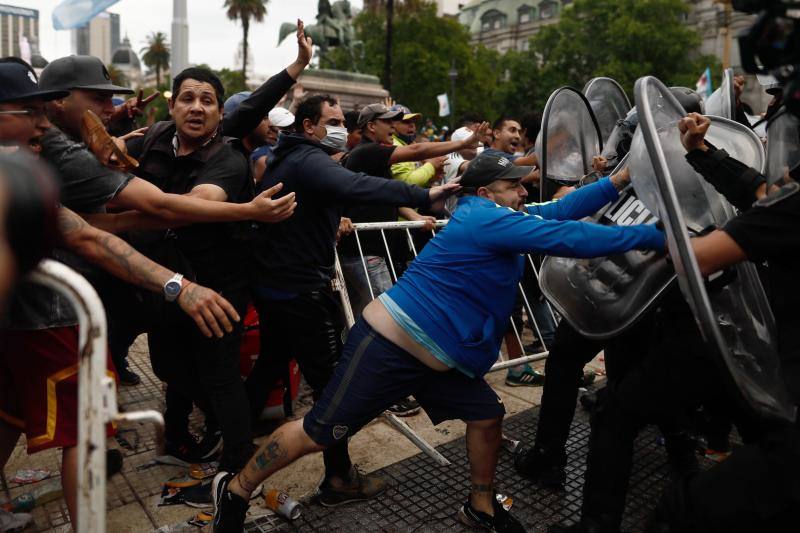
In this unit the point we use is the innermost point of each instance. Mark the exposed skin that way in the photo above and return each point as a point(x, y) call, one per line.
point(66, 112)
point(507, 138)
point(405, 127)
point(197, 114)
point(23, 130)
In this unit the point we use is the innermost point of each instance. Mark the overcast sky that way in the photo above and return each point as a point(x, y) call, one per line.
point(212, 37)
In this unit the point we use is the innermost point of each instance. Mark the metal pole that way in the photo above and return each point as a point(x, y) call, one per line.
point(387, 64)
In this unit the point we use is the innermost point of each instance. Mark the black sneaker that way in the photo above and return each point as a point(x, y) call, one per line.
point(199, 496)
point(128, 377)
point(501, 522)
point(361, 487)
point(406, 407)
point(538, 466)
point(230, 510)
point(180, 453)
point(209, 446)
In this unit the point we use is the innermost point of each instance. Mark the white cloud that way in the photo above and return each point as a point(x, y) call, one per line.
point(212, 37)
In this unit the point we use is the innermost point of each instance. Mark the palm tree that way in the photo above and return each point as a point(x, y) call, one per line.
point(245, 10)
point(156, 54)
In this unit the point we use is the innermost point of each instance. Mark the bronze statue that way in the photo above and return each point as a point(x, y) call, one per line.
point(334, 28)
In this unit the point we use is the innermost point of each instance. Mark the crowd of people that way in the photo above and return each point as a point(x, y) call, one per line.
point(237, 201)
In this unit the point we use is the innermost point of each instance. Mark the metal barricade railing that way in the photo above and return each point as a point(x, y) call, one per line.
point(97, 395)
point(546, 311)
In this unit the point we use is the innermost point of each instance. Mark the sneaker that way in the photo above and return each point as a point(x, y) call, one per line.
point(230, 510)
point(209, 446)
point(362, 487)
point(128, 377)
point(406, 407)
point(501, 522)
point(180, 453)
point(538, 466)
point(198, 496)
point(528, 377)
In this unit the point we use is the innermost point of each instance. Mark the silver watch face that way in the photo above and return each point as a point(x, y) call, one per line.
point(172, 289)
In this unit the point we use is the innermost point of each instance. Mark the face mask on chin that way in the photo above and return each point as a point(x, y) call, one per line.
point(408, 139)
point(335, 138)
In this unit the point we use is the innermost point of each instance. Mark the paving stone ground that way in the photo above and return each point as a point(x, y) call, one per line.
point(423, 496)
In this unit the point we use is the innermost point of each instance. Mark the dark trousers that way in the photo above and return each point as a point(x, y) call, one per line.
point(309, 329)
point(672, 379)
point(207, 372)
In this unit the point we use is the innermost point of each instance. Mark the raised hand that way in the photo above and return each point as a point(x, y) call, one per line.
point(480, 133)
point(265, 209)
point(211, 312)
point(693, 128)
point(599, 163)
point(133, 107)
point(440, 193)
point(305, 45)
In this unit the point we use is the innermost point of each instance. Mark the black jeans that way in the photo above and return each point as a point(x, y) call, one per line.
point(207, 372)
point(309, 329)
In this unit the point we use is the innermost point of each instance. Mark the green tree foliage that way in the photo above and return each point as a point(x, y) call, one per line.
point(424, 48)
point(246, 10)
point(156, 54)
point(117, 76)
point(621, 39)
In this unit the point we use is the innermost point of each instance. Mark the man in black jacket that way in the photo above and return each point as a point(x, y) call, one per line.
point(294, 263)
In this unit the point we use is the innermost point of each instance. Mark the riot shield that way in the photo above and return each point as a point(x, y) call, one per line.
point(730, 308)
point(609, 103)
point(570, 138)
point(783, 146)
point(722, 102)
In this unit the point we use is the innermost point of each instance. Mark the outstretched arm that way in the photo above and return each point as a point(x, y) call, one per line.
point(420, 151)
point(211, 312)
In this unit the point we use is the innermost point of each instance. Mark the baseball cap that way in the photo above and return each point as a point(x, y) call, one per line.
point(487, 168)
point(461, 134)
point(79, 72)
point(376, 112)
point(233, 101)
point(280, 117)
point(407, 114)
point(19, 83)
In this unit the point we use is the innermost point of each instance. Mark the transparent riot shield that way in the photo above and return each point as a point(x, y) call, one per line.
point(730, 307)
point(722, 102)
point(609, 103)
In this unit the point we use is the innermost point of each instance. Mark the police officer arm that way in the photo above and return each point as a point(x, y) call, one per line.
point(716, 251)
point(211, 312)
point(420, 151)
point(253, 109)
point(740, 184)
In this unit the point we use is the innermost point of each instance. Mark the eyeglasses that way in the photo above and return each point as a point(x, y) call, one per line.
point(31, 112)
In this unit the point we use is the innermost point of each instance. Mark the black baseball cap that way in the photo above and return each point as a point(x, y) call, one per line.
point(377, 112)
point(19, 83)
point(79, 72)
point(487, 168)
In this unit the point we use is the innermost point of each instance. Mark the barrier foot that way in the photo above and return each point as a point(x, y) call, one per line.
point(418, 441)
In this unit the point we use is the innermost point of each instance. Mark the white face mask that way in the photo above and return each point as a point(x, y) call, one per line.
point(335, 137)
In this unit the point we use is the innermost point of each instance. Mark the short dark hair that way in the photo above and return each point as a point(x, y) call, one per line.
point(199, 74)
point(14, 59)
point(311, 108)
point(351, 121)
point(531, 123)
point(470, 118)
point(500, 122)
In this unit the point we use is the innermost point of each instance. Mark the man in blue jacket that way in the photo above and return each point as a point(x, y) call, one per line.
point(439, 329)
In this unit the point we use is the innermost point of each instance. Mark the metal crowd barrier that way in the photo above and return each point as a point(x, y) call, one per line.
point(97, 395)
point(340, 286)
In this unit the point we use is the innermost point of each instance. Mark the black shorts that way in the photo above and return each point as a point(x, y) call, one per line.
point(374, 373)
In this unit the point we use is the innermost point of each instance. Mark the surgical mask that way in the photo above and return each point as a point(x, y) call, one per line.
point(335, 137)
point(408, 139)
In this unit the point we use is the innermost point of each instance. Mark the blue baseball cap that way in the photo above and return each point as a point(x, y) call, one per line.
point(234, 100)
point(19, 83)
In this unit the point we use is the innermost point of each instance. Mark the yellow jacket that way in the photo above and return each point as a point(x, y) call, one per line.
point(408, 171)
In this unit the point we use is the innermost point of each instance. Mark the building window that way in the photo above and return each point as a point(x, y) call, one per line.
point(526, 14)
point(493, 20)
point(548, 10)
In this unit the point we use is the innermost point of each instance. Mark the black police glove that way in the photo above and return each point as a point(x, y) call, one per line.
point(731, 178)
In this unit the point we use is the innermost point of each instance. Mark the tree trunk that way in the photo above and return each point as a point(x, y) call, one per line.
point(158, 76)
point(387, 65)
point(245, 30)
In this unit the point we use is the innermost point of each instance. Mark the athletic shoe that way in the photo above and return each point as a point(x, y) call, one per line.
point(199, 496)
point(501, 522)
point(360, 488)
point(528, 377)
point(180, 453)
point(230, 510)
point(209, 446)
point(128, 377)
point(406, 407)
point(538, 466)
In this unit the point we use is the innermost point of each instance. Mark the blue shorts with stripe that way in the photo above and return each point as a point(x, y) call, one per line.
point(374, 373)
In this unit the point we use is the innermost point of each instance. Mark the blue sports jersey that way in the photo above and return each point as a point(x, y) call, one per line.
point(461, 288)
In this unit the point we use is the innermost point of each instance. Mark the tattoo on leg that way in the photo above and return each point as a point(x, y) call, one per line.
point(272, 452)
point(478, 487)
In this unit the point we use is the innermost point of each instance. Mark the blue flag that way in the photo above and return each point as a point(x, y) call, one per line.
point(75, 13)
point(704, 85)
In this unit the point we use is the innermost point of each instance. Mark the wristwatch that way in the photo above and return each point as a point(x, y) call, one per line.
point(172, 288)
